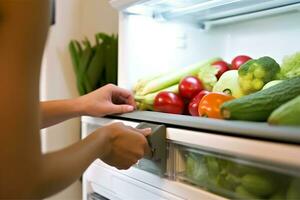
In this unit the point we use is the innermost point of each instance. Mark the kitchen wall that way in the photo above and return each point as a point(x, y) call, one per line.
point(74, 20)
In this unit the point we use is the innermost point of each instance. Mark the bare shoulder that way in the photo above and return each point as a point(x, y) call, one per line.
point(23, 31)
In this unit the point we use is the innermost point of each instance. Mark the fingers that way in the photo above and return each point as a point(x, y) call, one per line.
point(121, 109)
point(145, 131)
point(123, 94)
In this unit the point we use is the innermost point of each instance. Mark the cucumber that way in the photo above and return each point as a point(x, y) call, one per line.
point(287, 114)
point(258, 106)
point(259, 185)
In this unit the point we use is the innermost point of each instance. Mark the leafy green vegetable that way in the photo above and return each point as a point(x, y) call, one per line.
point(235, 180)
point(290, 66)
point(242, 193)
point(254, 74)
point(207, 74)
point(196, 169)
point(294, 189)
point(260, 185)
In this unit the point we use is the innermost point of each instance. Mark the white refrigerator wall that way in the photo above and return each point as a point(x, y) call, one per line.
point(75, 19)
point(148, 46)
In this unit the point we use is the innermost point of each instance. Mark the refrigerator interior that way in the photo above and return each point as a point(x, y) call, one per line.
point(159, 36)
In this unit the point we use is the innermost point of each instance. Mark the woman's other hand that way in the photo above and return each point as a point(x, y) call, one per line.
point(106, 100)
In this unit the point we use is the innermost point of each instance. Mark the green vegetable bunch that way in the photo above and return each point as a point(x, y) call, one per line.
point(95, 65)
point(254, 74)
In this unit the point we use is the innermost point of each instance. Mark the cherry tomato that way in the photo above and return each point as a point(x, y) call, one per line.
point(222, 67)
point(194, 103)
point(239, 60)
point(210, 104)
point(189, 87)
point(168, 102)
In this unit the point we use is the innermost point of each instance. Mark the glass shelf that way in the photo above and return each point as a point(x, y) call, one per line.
point(206, 10)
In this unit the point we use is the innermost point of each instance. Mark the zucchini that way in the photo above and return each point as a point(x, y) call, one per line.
point(258, 106)
point(287, 114)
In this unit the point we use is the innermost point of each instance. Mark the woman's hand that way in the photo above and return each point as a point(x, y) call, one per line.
point(123, 145)
point(106, 100)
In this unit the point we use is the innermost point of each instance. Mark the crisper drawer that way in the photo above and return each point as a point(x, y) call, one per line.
point(213, 165)
point(235, 177)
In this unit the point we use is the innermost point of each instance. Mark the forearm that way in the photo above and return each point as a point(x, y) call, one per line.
point(50, 173)
point(53, 112)
point(62, 168)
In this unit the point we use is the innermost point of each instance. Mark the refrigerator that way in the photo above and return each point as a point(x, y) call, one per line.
point(192, 157)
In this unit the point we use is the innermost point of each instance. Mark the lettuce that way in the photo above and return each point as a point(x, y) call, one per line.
point(207, 75)
point(290, 67)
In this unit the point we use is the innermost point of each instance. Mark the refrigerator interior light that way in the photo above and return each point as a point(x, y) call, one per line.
point(204, 10)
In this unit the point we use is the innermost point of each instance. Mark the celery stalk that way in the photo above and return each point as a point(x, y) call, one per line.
point(142, 82)
point(149, 98)
point(174, 77)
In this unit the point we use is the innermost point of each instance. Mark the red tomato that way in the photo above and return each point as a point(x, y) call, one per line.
point(222, 67)
point(210, 104)
point(238, 61)
point(189, 87)
point(194, 103)
point(168, 102)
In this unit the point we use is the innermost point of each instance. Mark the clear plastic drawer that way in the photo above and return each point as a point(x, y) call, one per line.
point(235, 178)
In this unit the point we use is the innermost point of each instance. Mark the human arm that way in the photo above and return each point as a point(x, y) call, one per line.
point(26, 173)
point(106, 100)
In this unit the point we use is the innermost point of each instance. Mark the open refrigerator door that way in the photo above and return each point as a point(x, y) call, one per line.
point(208, 158)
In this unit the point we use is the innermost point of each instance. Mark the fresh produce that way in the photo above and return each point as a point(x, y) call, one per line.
point(293, 191)
point(141, 82)
point(194, 103)
point(279, 195)
point(238, 61)
point(189, 87)
point(259, 106)
point(271, 83)
point(207, 75)
point(94, 65)
point(168, 102)
point(259, 185)
point(229, 84)
point(242, 193)
point(196, 169)
point(210, 104)
point(254, 74)
point(235, 180)
point(173, 77)
point(146, 102)
point(287, 114)
point(222, 67)
point(290, 67)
